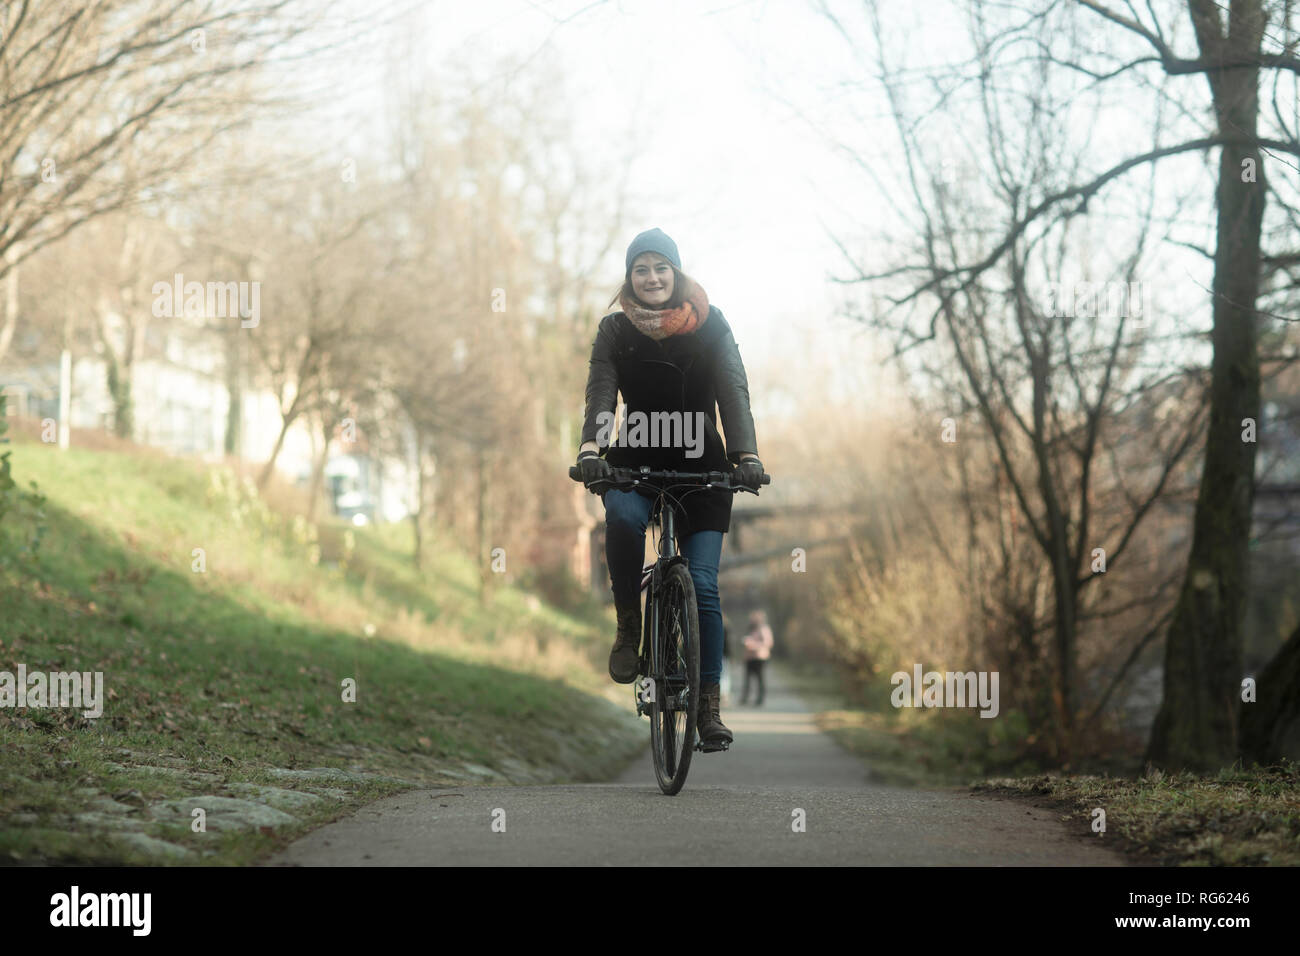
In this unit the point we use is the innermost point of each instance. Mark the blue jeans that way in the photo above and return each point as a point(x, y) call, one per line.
point(626, 516)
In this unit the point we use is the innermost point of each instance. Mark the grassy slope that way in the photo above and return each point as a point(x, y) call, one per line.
point(238, 669)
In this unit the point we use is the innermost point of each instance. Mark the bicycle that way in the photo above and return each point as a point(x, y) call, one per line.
point(669, 663)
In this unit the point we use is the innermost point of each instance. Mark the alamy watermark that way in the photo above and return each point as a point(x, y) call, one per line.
point(1096, 300)
point(75, 908)
point(54, 689)
point(213, 299)
point(655, 430)
point(946, 689)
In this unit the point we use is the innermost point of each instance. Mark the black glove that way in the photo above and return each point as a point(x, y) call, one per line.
point(593, 468)
point(748, 474)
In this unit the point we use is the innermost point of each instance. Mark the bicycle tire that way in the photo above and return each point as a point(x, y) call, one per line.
point(675, 669)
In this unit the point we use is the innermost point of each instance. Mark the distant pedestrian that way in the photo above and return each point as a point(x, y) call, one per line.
point(758, 650)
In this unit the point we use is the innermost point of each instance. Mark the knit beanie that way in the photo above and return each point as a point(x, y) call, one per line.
point(653, 240)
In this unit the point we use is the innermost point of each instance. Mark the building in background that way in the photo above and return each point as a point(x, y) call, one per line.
point(181, 402)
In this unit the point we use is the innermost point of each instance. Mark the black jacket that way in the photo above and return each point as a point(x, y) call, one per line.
point(697, 372)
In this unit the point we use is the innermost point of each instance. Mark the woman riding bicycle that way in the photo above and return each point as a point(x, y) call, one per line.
point(674, 358)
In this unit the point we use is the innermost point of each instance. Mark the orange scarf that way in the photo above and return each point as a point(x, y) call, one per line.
point(661, 323)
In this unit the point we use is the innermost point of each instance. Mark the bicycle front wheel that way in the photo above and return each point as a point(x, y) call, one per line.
point(675, 669)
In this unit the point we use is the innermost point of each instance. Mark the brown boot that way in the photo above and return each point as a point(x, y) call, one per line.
point(624, 658)
point(714, 734)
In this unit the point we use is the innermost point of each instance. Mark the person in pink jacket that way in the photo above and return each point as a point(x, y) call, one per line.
point(758, 649)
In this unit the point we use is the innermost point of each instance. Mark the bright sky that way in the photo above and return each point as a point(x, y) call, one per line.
point(723, 167)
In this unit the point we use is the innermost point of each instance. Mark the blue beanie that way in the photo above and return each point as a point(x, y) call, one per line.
point(653, 240)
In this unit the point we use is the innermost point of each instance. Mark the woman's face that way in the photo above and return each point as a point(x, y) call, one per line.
point(652, 279)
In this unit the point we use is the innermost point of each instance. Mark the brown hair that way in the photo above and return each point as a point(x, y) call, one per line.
point(674, 301)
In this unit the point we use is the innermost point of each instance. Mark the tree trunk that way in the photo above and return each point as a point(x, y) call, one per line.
point(1270, 726)
point(1066, 613)
point(235, 389)
point(1196, 727)
point(318, 467)
point(289, 417)
point(119, 374)
point(10, 320)
point(481, 524)
point(119, 391)
point(264, 477)
point(1065, 572)
point(417, 513)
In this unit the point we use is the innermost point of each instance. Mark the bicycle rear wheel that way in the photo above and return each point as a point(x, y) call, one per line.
point(675, 668)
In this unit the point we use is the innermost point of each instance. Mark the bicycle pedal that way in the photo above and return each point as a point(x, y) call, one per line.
point(712, 746)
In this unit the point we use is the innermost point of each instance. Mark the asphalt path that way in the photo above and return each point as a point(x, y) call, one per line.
point(784, 794)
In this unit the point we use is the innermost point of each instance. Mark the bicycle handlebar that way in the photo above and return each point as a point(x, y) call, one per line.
point(631, 477)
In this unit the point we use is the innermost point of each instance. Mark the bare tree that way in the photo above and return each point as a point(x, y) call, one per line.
point(322, 306)
point(100, 102)
point(1055, 389)
point(504, 220)
point(1197, 723)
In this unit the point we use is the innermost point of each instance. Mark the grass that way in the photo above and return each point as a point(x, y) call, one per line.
point(1236, 818)
point(230, 660)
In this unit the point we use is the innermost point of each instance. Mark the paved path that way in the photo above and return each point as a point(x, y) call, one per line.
point(737, 807)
